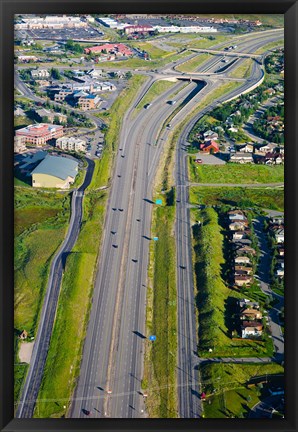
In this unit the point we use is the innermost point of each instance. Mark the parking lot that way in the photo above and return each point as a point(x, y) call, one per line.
point(61, 34)
point(208, 159)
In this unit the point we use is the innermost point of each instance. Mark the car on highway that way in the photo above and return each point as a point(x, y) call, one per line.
point(172, 102)
point(138, 220)
point(122, 155)
point(115, 246)
point(169, 125)
point(148, 105)
point(120, 209)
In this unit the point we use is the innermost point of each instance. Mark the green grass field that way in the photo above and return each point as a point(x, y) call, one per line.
point(41, 220)
point(232, 397)
point(244, 197)
point(235, 173)
point(215, 300)
point(270, 46)
point(153, 51)
point(193, 64)
point(243, 70)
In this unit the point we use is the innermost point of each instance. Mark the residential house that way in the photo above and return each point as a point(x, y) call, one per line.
point(245, 303)
point(209, 147)
point(243, 269)
point(265, 148)
point(280, 235)
point(242, 260)
point(238, 225)
point(210, 135)
point(236, 215)
point(243, 250)
point(248, 314)
point(247, 148)
point(277, 220)
point(251, 329)
point(241, 157)
point(233, 129)
point(241, 280)
point(280, 250)
point(271, 158)
point(19, 112)
point(241, 242)
point(238, 235)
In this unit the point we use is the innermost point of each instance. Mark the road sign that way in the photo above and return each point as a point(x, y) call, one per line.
point(152, 338)
point(155, 238)
point(158, 201)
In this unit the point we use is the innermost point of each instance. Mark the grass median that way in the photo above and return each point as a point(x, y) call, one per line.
point(243, 70)
point(157, 88)
point(193, 64)
point(161, 313)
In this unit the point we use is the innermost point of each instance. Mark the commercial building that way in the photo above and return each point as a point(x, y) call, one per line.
point(55, 172)
point(117, 49)
point(40, 73)
point(51, 21)
point(39, 134)
point(188, 29)
point(71, 143)
point(19, 144)
point(42, 112)
point(138, 29)
point(27, 58)
point(111, 23)
point(86, 101)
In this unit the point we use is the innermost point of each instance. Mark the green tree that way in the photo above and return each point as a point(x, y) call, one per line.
point(55, 74)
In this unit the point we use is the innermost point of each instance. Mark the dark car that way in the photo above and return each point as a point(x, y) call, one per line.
point(120, 209)
point(115, 246)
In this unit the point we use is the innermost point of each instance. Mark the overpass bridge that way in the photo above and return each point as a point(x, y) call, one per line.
point(228, 53)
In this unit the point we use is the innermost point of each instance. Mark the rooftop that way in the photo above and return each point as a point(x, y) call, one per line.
point(57, 166)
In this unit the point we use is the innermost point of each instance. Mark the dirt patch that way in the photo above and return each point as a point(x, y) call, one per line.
point(25, 351)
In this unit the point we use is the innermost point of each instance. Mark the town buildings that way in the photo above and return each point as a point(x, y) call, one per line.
point(71, 143)
point(119, 49)
point(39, 134)
point(51, 115)
point(51, 21)
point(55, 172)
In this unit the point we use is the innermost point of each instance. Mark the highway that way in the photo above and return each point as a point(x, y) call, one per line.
point(26, 404)
point(112, 363)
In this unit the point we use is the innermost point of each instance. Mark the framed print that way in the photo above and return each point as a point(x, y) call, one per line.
point(148, 215)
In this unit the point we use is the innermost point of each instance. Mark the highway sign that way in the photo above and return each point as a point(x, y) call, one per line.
point(155, 238)
point(158, 201)
point(152, 338)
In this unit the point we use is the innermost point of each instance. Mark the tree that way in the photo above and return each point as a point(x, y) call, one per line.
point(55, 74)
point(56, 120)
point(128, 75)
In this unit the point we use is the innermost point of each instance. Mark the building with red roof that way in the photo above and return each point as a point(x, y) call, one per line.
point(39, 134)
point(209, 147)
point(110, 48)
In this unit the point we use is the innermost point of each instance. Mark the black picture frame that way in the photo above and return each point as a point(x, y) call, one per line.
point(8, 9)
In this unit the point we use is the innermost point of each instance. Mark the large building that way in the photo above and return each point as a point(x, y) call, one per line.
point(51, 21)
point(86, 101)
point(188, 29)
point(40, 73)
point(71, 143)
point(138, 29)
point(117, 49)
point(55, 172)
point(42, 112)
point(39, 134)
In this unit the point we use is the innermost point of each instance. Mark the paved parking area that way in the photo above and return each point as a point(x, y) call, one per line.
point(209, 159)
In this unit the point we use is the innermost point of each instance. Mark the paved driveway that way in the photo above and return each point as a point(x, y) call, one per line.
point(209, 159)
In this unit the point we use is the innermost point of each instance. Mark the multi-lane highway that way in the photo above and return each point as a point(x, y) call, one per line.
point(112, 364)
